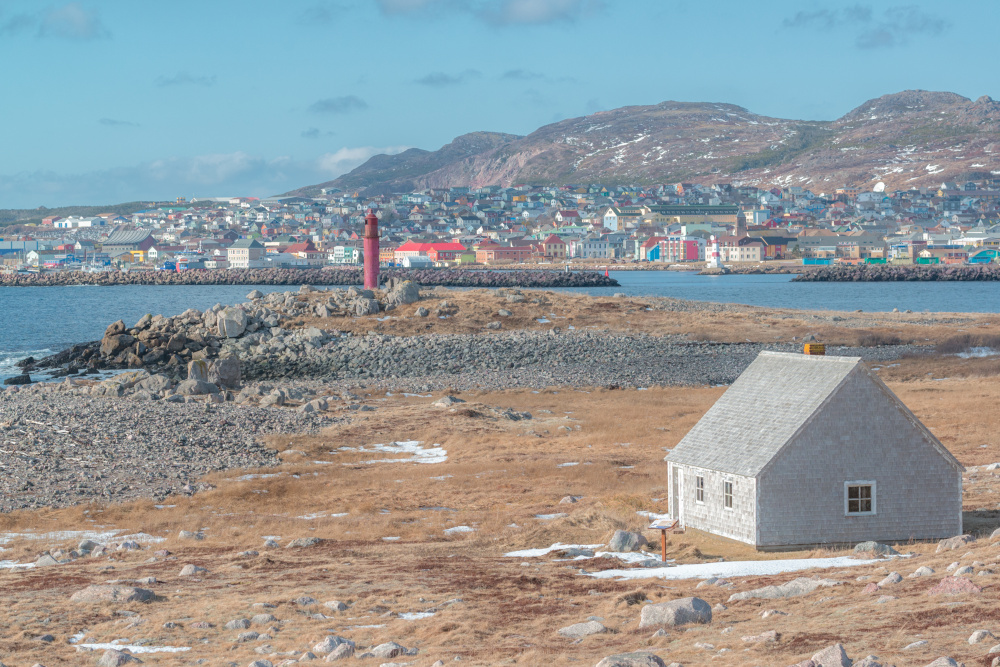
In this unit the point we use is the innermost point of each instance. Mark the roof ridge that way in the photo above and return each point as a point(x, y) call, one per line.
point(811, 357)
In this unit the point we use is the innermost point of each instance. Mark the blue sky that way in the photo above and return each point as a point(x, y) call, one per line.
point(116, 100)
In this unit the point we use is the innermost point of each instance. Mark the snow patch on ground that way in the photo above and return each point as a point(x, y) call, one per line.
point(978, 352)
point(749, 568)
point(558, 546)
point(417, 454)
point(78, 536)
point(459, 529)
point(415, 615)
point(136, 649)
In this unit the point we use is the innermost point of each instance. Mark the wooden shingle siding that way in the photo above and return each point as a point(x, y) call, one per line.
point(859, 435)
point(711, 516)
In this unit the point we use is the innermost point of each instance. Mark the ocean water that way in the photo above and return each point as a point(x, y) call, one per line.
point(37, 321)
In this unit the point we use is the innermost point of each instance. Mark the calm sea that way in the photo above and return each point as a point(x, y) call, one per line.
point(41, 320)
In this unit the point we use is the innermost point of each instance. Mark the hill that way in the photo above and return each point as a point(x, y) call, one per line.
point(907, 139)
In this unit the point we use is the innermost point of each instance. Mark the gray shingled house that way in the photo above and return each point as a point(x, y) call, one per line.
point(810, 450)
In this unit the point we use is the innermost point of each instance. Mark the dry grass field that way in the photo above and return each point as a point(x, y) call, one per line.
point(471, 310)
point(499, 475)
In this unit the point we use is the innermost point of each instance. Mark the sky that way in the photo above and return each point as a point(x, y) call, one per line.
point(107, 101)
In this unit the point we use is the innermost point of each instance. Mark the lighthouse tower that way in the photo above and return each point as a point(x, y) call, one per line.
point(714, 256)
point(371, 250)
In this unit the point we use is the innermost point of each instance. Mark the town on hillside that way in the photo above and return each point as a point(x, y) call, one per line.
point(659, 226)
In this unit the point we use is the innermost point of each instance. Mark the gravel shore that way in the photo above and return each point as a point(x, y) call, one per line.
point(61, 450)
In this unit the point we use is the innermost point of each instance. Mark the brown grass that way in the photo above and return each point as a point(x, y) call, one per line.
point(498, 476)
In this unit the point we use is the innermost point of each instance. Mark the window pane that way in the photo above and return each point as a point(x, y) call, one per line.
point(853, 506)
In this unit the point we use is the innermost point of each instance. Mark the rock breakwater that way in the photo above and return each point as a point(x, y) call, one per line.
point(887, 273)
point(320, 276)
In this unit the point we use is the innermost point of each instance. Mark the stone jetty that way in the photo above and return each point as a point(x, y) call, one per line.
point(897, 273)
point(319, 276)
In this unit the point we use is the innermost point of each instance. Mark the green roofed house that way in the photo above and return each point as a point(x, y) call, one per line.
point(813, 450)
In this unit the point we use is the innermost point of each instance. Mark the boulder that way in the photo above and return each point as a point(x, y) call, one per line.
point(335, 605)
point(391, 650)
point(944, 662)
point(834, 656)
point(330, 643)
point(155, 384)
point(953, 543)
point(198, 370)
point(303, 542)
point(342, 652)
point(980, 636)
point(922, 571)
point(18, 379)
point(448, 401)
point(954, 586)
point(676, 612)
point(111, 593)
point(231, 322)
point(791, 589)
point(875, 548)
point(112, 345)
point(255, 294)
point(763, 638)
point(192, 570)
point(115, 328)
point(176, 342)
point(238, 624)
point(115, 658)
point(196, 388)
point(626, 541)
point(423, 312)
point(891, 578)
point(636, 659)
point(364, 307)
point(225, 373)
point(403, 293)
point(578, 630)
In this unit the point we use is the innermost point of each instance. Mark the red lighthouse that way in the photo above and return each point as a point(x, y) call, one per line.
point(371, 250)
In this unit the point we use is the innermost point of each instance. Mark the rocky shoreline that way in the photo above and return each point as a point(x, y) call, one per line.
point(322, 276)
point(898, 273)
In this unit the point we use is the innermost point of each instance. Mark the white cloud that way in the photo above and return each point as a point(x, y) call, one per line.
point(214, 174)
point(498, 12)
point(72, 21)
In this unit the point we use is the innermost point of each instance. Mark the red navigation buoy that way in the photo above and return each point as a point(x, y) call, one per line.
point(606, 274)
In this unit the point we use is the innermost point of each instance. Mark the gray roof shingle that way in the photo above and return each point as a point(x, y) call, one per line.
point(761, 411)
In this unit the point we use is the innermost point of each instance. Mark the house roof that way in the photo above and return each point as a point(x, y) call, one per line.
point(766, 407)
point(127, 236)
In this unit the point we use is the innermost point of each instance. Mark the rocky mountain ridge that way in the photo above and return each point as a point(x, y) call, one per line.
point(909, 139)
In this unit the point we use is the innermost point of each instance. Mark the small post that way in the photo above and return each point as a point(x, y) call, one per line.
point(663, 525)
point(663, 544)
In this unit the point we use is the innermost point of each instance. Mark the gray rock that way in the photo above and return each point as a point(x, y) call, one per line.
point(255, 294)
point(189, 535)
point(303, 542)
point(625, 541)
point(944, 662)
point(335, 605)
point(342, 652)
point(225, 373)
point(952, 543)
point(330, 643)
point(503, 312)
point(197, 370)
point(111, 593)
point(115, 658)
point(922, 571)
point(403, 293)
point(423, 312)
point(875, 548)
point(676, 612)
point(250, 636)
point(834, 656)
point(448, 401)
point(363, 307)
point(238, 624)
point(46, 560)
point(890, 579)
point(980, 636)
point(86, 546)
point(578, 630)
point(636, 659)
point(156, 383)
point(263, 619)
point(791, 589)
point(231, 322)
point(192, 570)
point(196, 388)
point(391, 650)
point(868, 661)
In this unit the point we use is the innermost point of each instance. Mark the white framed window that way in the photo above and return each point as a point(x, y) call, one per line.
point(727, 495)
point(859, 498)
point(699, 489)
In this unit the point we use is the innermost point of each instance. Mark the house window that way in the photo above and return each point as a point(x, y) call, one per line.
point(699, 486)
point(727, 495)
point(859, 498)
